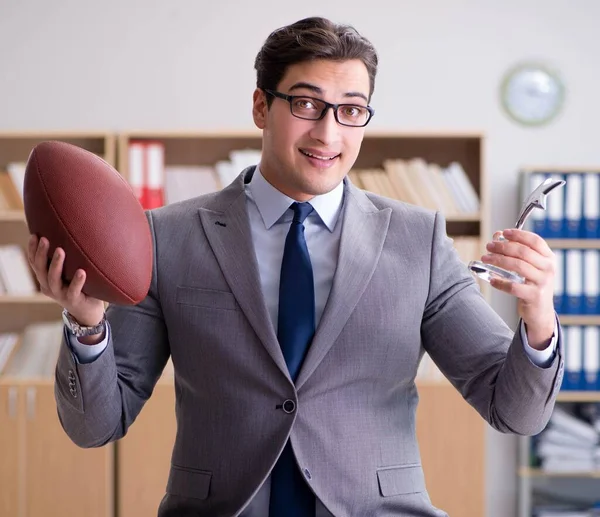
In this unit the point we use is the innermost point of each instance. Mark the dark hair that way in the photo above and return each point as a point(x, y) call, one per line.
point(310, 39)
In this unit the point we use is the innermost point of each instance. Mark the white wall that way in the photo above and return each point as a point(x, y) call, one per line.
point(185, 64)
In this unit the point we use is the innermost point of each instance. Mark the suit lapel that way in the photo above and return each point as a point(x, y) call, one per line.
point(364, 228)
point(227, 228)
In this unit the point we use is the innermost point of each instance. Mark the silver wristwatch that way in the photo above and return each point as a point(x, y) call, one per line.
point(78, 329)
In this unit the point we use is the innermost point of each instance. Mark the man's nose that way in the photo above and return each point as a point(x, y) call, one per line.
point(326, 130)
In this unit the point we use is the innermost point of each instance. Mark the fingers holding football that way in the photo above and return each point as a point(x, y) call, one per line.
point(73, 291)
point(38, 259)
point(55, 281)
point(50, 275)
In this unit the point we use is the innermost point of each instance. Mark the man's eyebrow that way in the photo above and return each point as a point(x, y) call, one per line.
point(315, 89)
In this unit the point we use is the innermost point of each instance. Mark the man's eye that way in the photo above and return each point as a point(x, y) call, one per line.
point(352, 111)
point(305, 104)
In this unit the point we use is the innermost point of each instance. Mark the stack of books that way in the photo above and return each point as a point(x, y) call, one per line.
point(415, 181)
point(569, 444)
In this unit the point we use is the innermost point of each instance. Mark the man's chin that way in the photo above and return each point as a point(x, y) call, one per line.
point(319, 188)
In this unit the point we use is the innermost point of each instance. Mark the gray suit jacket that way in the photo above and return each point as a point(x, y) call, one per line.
point(399, 290)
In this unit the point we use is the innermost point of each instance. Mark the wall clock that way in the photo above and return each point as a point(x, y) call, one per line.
point(532, 94)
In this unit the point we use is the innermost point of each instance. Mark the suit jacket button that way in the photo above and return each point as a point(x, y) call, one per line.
point(289, 406)
point(307, 474)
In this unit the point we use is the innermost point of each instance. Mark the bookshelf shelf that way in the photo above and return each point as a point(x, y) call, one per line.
point(540, 473)
point(579, 319)
point(464, 218)
point(562, 170)
point(13, 230)
point(19, 311)
point(16, 146)
point(37, 298)
point(579, 396)
point(12, 215)
point(574, 243)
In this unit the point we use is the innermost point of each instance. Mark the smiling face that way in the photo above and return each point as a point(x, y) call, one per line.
point(306, 158)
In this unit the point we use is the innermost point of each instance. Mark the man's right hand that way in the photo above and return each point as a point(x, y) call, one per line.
point(86, 310)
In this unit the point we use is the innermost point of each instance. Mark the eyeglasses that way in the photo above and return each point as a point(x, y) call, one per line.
point(309, 108)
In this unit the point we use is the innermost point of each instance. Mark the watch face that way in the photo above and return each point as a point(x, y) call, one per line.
point(532, 94)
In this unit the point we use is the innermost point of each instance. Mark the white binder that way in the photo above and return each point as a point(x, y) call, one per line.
point(591, 204)
point(574, 281)
point(591, 281)
point(591, 356)
point(573, 357)
point(573, 205)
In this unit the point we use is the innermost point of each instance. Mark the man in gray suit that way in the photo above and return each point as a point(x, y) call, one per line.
point(296, 308)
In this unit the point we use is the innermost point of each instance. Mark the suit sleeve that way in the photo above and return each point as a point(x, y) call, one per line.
point(480, 355)
point(98, 401)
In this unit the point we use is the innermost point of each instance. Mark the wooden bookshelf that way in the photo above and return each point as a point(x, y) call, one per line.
point(206, 148)
point(42, 471)
point(16, 312)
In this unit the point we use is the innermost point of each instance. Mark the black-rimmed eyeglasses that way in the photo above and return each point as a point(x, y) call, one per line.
point(310, 108)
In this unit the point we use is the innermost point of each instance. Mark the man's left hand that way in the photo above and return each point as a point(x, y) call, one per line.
point(528, 255)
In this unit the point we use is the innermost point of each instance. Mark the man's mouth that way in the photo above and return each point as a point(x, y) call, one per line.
point(322, 157)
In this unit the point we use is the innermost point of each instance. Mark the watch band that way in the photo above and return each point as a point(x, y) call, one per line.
point(80, 330)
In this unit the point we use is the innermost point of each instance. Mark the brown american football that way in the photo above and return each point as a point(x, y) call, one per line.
point(82, 204)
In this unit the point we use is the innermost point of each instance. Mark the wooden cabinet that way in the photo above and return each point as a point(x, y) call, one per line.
point(43, 473)
point(451, 437)
point(144, 455)
point(11, 499)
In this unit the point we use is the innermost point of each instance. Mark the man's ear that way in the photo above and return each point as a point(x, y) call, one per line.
point(259, 108)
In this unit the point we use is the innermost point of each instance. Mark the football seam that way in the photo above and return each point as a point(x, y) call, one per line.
point(37, 168)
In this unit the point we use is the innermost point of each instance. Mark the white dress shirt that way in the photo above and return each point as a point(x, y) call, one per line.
point(270, 217)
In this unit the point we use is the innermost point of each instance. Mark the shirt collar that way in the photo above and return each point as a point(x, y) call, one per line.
point(272, 203)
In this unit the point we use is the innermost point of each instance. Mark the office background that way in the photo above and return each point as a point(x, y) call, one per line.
point(188, 65)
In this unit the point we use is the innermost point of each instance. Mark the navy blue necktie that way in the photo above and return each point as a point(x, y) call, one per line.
point(290, 495)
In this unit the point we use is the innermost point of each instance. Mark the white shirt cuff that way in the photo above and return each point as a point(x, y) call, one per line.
point(86, 353)
point(542, 358)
